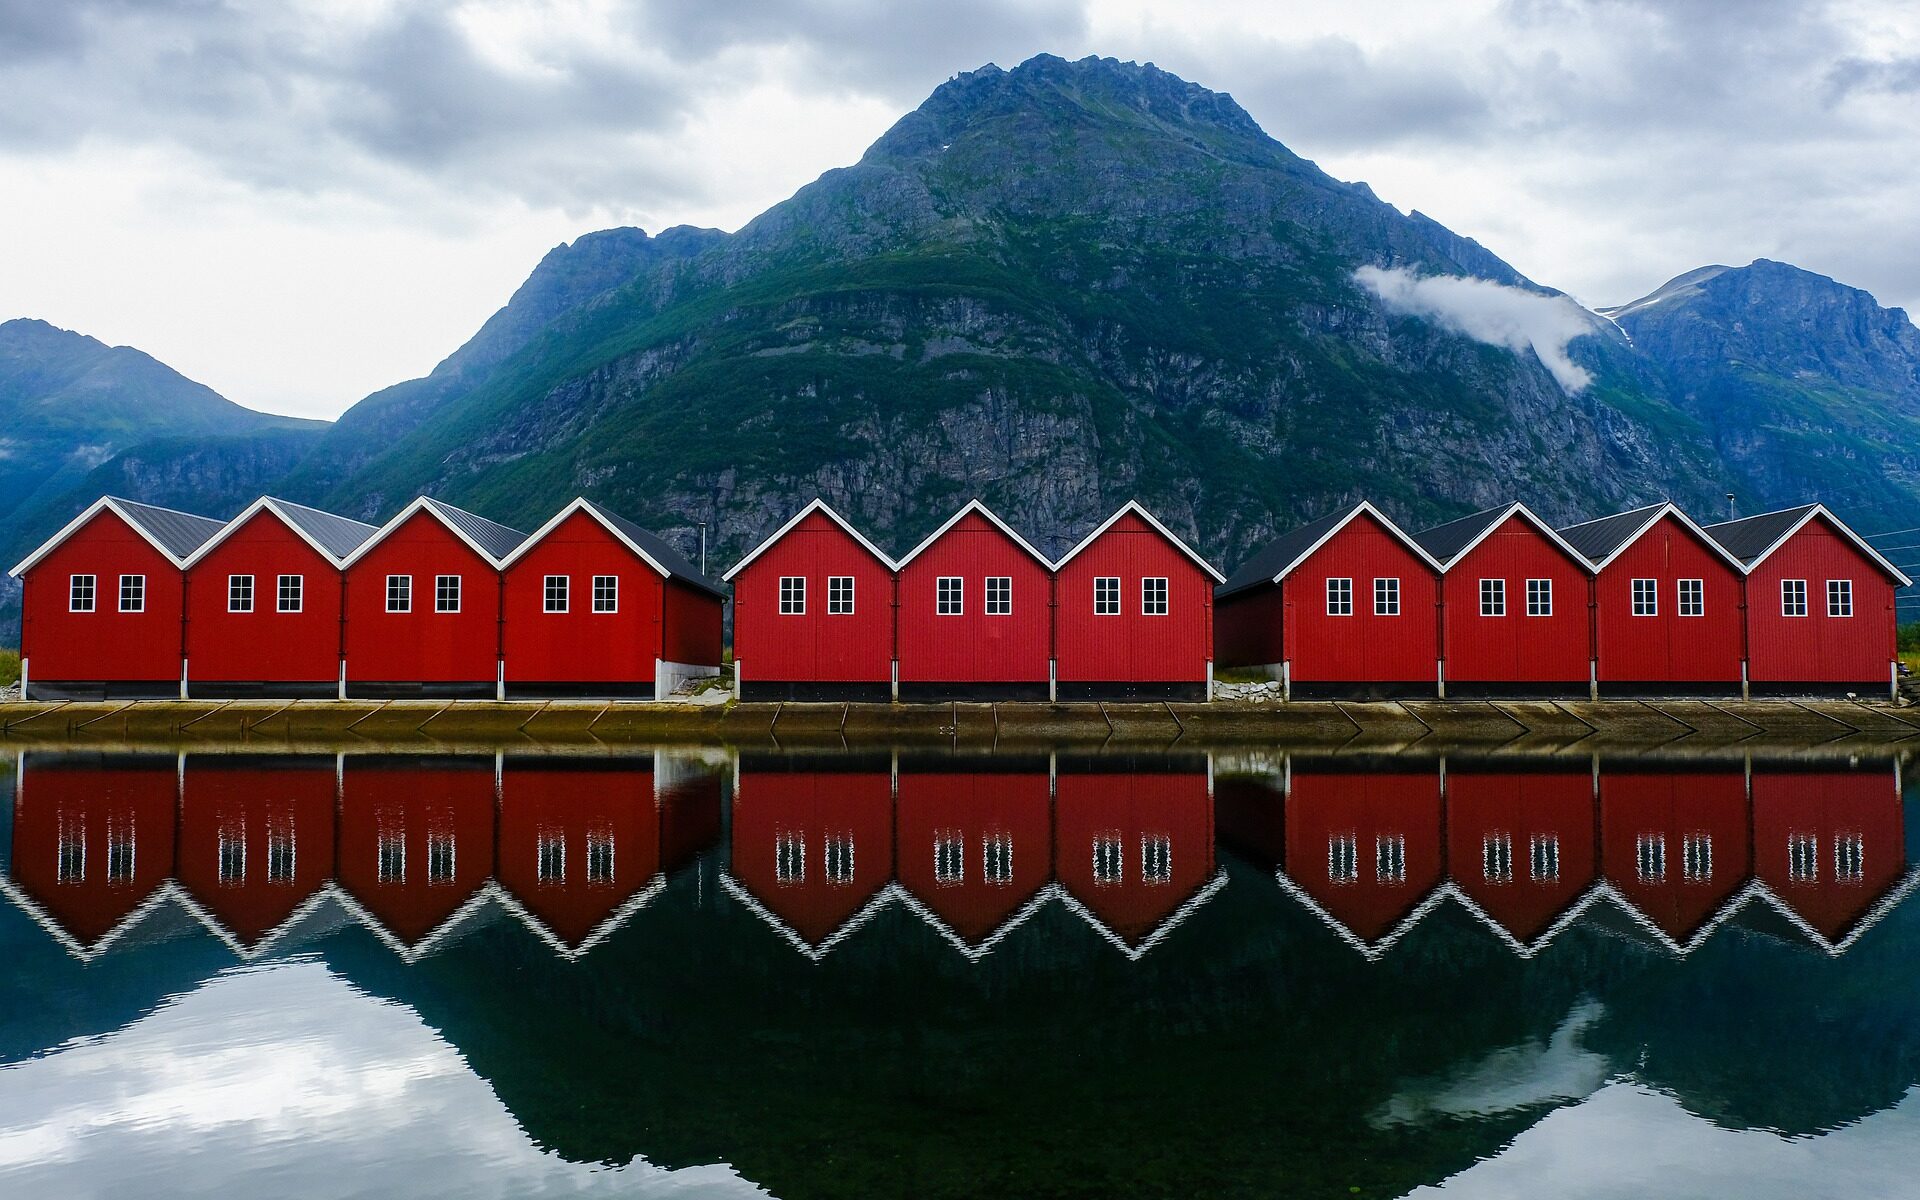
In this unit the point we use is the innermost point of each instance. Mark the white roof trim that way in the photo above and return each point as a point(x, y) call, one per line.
point(1365, 506)
point(1134, 506)
point(582, 504)
point(420, 504)
point(973, 506)
point(74, 526)
point(264, 503)
point(1664, 508)
point(1821, 510)
point(1520, 510)
point(819, 506)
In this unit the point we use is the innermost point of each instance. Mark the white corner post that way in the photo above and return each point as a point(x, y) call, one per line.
point(1746, 688)
point(893, 692)
point(739, 677)
point(1053, 679)
point(1893, 682)
point(26, 678)
point(343, 679)
point(183, 679)
point(1286, 679)
point(500, 679)
point(1440, 677)
point(1209, 701)
point(660, 688)
point(1593, 679)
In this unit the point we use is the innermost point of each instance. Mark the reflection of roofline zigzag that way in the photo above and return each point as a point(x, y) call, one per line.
point(600, 933)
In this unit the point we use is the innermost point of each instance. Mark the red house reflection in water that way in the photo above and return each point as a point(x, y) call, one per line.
point(975, 846)
point(1364, 847)
point(1828, 845)
point(256, 840)
point(416, 841)
point(811, 848)
point(1674, 844)
point(93, 840)
point(1133, 844)
point(1522, 846)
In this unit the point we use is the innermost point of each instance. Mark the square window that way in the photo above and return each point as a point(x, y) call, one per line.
point(1343, 858)
point(399, 593)
point(446, 593)
point(280, 852)
point(1390, 858)
point(1646, 597)
point(555, 593)
point(440, 856)
point(70, 857)
point(80, 593)
point(240, 593)
point(790, 858)
point(1539, 597)
point(1803, 858)
point(1793, 597)
point(1849, 858)
point(1493, 597)
point(1386, 597)
point(1106, 596)
point(1692, 598)
point(839, 595)
point(390, 856)
point(232, 859)
point(839, 858)
point(793, 595)
point(1153, 596)
point(133, 593)
point(606, 593)
point(292, 595)
point(120, 848)
point(949, 596)
point(1339, 597)
point(999, 595)
point(1839, 597)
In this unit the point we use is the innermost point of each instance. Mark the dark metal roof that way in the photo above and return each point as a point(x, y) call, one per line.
point(181, 533)
point(1598, 538)
point(660, 551)
point(492, 537)
point(338, 536)
point(1280, 553)
point(1445, 541)
point(1749, 537)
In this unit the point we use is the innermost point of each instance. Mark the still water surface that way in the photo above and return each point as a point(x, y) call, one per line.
point(697, 974)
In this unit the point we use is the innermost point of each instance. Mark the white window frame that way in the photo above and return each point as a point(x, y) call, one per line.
point(1343, 858)
point(1002, 605)
point(1390, 858)
point(1690, 605)
point(405, 596)
point(1386, 596)
point(556, 599)
point(232, 583)
point(550, 856)
point(1646, 598)
point(1339, 596)
point(140, 601)
point(1543, 857)
point(1493, 597)
point(606, 593)
point(1793, 594)
point(1106, 595)
point(1539, 597)
point(1155, 596)
point(840, 596)
point(73, 593)
point(1839, 597)
point(949, 596)
point(443, 857)
point(793, 595)
point(600, 864)
point(299, 594)
point(439, 593)
point(1156, 859)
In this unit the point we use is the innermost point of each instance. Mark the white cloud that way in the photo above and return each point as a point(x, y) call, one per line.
point(1489, 312)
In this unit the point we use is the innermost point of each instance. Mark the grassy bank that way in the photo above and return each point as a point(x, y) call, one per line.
point(9, 667)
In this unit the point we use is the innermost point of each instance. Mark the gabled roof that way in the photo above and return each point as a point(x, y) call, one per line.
point(489, 539)
point(1451, 542)
point(1277, 559)
point(1753, 539)
point(973, 506)
point(649, 546)
point(1604, 539)
point(1135, 507)
point(826, 510)
point(174, 534)
point(333, 536)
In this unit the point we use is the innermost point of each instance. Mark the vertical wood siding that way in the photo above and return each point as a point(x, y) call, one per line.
point(1667, 646)
point(1817, 648)
point(573, 803)
point(814, 646)
point(1672, 807)
point(84, 800)
point(974, 647)
point(1517, 648)
point(1130, 646)
point(810, 808)
point(1518, 807)
point(937, 806)
point(423, 645)
point(223, 798)
point(580, 645)
point(1362, 648)
point(415, 802)
point(265, 645)
point(1133, 810)
point(1823, 806)
point(105, 644)
point(1324, 805)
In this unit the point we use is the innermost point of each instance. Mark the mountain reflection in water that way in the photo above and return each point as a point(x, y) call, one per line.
point(913, 973)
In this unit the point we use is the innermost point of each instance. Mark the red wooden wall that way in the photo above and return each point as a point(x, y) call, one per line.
point(814, 646)
point(252, 802)
point(92, 805)
point(971, 807)
point(1517, 808)
point(1362, 648)
point(1824, 807)
point(423, 645)
point(974, 647)
point(1817, 648)
point(580, 645)
point(1517, 648)
point(105, 644)
point(1129, 646)
point(1674, 806)
point(265, 645)
point(572, 804)
point(416, 802)
point(1324, 805)
point(1668, 646)
point(1131, 809)
point(853, 808)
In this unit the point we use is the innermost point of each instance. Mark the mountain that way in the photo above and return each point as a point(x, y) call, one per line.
point(71, 405)
point(1055, 287)
point(1809, 388)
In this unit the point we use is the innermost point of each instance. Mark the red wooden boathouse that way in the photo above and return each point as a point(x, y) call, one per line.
point(813, 613)
point(1523, 847)
point(256, 839)
point(1674, 844)
point(1828, 844)
point(1133, 851)
point(974, 619)
point(1666, 602)
point(102, 601)
point(812, 848)
point(1365, 848)
point(264, 615)
point(1343, 602)
point(423, 605)
point(598, 606)
point(416, 843)
point(975, 847)
point(1133, 613)
point(1819, 601)
point(1513, 603)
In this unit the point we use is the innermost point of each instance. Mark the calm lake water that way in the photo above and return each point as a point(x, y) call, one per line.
point(697, 974)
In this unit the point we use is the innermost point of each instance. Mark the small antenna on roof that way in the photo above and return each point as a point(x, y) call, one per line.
point(703, 545)
point(1729, 506)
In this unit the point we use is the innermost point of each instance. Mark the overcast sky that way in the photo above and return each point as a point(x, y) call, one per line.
point(299, 202)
